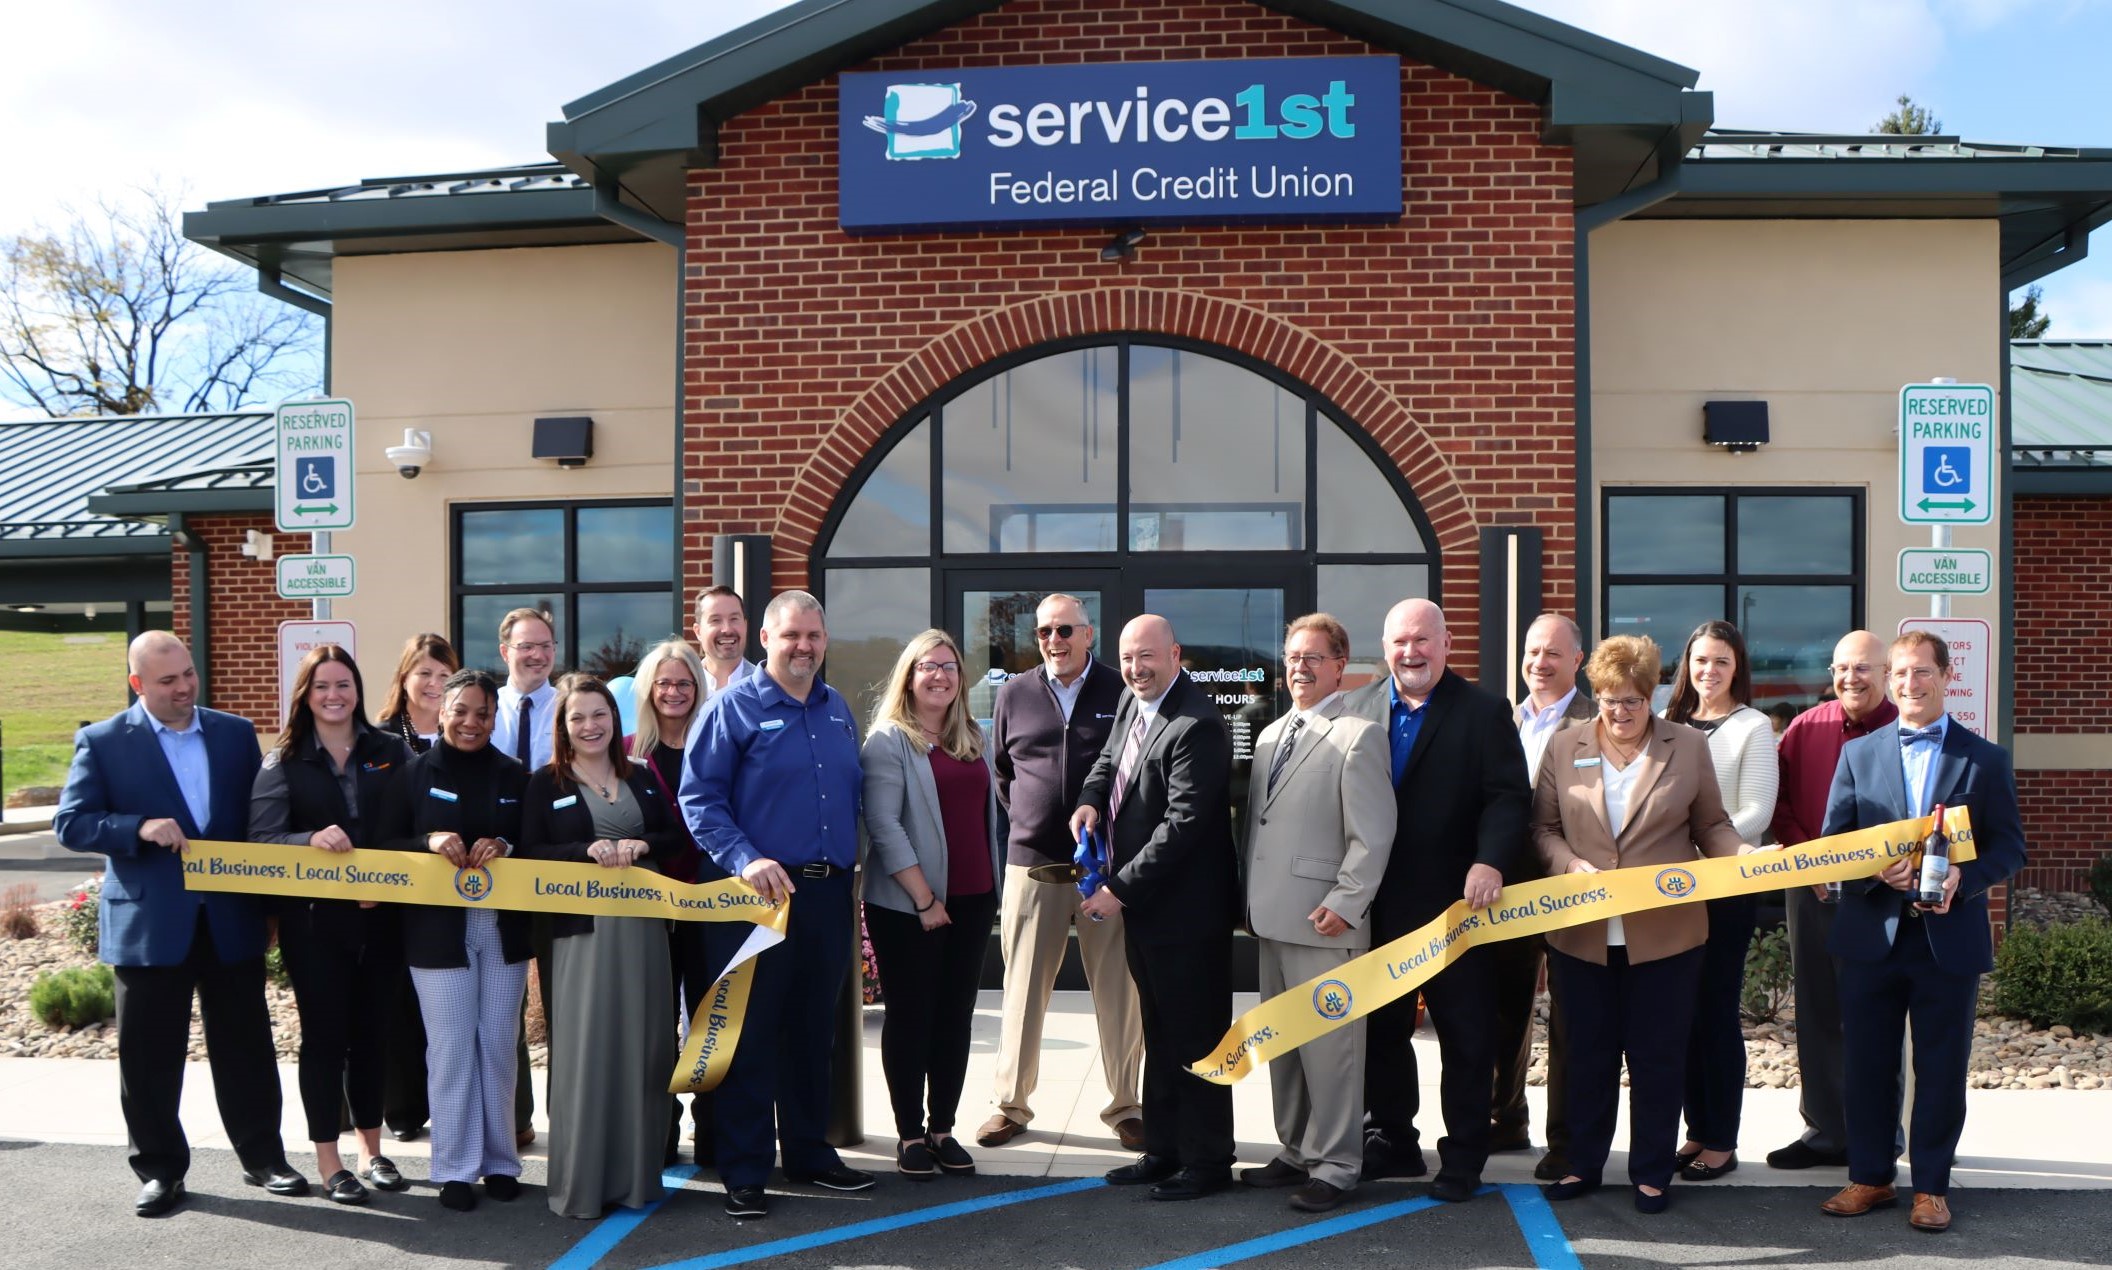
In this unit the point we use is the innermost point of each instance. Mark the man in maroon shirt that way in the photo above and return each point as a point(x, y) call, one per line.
point(1809, 750)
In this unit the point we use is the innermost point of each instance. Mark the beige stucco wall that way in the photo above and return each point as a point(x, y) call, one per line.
point(473, 347)
point(1823, 320)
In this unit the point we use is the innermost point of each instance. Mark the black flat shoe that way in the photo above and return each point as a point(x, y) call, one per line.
point(1192, 1184)
point(157, 1198)
point(457, 1196)
point(1800, 1155)
point(343, 1188)
point(1681, 1159)
point(407, 1133)
point(913, 1160)
point(1144, 1169)
point(1650, 1204)
point(279, 1179)
point(951, 1156)
point(1571, 1190)
point(502, 1187)
point(1696, 1171)
point(383, 1173)
point(840, 1178)
point(747, 1201)
point(1552, 1167)
point(1453, 1190)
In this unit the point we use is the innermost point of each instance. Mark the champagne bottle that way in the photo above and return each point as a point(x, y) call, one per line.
point(1935, 861)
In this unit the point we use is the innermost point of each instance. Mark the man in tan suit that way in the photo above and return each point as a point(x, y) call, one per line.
point(1319, 831)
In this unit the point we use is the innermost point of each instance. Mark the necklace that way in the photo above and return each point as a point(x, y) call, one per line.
point(606, 792)
point(1626, 756)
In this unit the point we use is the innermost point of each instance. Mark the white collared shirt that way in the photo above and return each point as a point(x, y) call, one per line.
point(1619, 784)
point(184, 748)
point(1067, 696)
point(1918, 764)
point(1306, 717)
point(1537, 727)
point(542, 734)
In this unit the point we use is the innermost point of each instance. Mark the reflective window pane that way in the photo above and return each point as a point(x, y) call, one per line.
point(1232, 646)
point(1359, 510)
point(513, 545)
point(1667, 614)
point(1790, 632)
point(1676, 534)
point(871, 613)
point(616, 627)
point(1359, 596)
point(1796, 535)
point(998, 641)
point(891, 516)
point(1216, 456)
point(626, 544)
point(479, 645)
point(1030, 457)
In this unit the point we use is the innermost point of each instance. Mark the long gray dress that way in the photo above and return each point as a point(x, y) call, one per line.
point(612, 1050)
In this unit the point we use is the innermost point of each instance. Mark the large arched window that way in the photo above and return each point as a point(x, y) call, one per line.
point(1142, 472)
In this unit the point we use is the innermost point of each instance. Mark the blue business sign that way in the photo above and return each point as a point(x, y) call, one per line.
point(1299, 139)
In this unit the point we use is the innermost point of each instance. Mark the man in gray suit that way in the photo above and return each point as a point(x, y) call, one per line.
point(1319, 830)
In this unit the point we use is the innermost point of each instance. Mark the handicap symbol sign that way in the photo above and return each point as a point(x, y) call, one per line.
point(1946, 468)
point(316, 477)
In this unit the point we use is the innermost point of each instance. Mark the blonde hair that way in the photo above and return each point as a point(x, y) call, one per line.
point(1624, 662)
point(646, 733)
point(959, 736)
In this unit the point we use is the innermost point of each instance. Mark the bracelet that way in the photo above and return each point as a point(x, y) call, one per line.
point(934, 901)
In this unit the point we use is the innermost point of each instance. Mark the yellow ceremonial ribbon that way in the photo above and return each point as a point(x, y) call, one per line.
point(1392, 971)
point(536, 886)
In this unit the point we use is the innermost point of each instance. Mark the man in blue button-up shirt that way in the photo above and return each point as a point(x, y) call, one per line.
point(771, 792)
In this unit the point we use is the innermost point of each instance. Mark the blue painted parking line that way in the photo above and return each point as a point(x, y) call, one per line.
point(614, 1228)
point(880, 1226)
point(1298, 1235)
point(1544, 1236)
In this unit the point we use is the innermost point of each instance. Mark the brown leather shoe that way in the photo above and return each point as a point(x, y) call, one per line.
point(998, 1130)
point(1855, 1199)
point(1931, 1213)
point(1131, 1133)
point(525, 1137)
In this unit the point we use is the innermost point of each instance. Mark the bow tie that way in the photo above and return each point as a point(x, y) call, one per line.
point(1933, 732)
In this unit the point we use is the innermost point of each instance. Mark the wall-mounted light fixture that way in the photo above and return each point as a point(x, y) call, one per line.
point(413, 455)
point(1737, 426)
point(569, 439)
point(257, 545)
point(1122, 246)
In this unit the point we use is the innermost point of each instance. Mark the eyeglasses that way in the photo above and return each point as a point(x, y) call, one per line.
point(1859, 668)
point(938, 668)
point(1613, 704)
point(1062, 630)
point(1309, 659)
point(544, 647)
point(674, 685)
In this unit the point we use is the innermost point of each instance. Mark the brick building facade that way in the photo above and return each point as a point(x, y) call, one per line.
point(242, 664)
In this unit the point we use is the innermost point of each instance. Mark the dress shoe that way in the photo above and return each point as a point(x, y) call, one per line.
point(1855, 1199)
point(1801, 1155)
point(1570, 1190)
point(1696, 1171)
point(1382, 1159)
point(1317, 1196)
point(998, 1130)
point(158, 1197)
point(1453, 1189)
point(524, 1138)
point(1130, 1133)
point(457, 1196)
point(1553, 1167)
point(343, 1188)
point(1651, 1205)
point(1192, 1184)
point(840, 1178)
point(913, 1160)
point(1501, 1140)
point(1681, 1159)
point(1273, 1174)
point(407, 1133)
point(1931, 1213)
point(747, 1201)
point(502, 1187)
point(951, 1156)
point(279, 1179)
point(1146, 1168)
point(382, 1171)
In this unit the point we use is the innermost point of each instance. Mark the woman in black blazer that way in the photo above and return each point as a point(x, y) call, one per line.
point(322, 788)
point(462, 800)
point(610, 1055)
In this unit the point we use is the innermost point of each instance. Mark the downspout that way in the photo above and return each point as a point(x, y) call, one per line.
point(201, 630)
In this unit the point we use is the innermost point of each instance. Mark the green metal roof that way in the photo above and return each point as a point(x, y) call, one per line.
point(51, 468)
point(2060, 403)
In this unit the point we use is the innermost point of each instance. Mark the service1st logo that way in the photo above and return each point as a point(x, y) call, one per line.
point(473, 883)
point(922, 121)
point(1331, 1000)
point(1677, 883)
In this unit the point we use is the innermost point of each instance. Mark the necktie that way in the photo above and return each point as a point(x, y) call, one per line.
point(522, 746)
point(1283, 752)
point(1126, 769)
point(1933, 732)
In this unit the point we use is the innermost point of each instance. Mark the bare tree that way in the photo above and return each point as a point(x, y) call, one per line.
point(118, 313)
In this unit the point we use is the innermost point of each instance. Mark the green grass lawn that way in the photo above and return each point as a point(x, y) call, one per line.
point(48, 685)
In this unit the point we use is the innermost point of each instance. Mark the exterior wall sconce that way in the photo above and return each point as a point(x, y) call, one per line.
point(568, 439)
point(1737, 426)
point(1122, 246)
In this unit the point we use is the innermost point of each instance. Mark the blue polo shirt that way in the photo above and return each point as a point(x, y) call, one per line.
point(774, 778)
point(1402, 723)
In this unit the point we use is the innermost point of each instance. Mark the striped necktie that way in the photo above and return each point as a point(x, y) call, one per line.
point(1283, 752)
point(1126, 770)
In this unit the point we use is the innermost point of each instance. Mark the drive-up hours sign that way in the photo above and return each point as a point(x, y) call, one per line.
point(1946, 454)
point(313, 474)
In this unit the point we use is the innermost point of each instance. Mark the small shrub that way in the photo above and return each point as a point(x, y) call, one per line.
point(80, 921)
point(2101, 883)
point(75, 996)
point(1768, 977)
point(2059, 974)
point(18, 912)
point(275, 967)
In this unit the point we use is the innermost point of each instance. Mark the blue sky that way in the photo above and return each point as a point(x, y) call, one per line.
point(245, 97)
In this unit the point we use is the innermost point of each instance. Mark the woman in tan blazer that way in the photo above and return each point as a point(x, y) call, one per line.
point(1625, 790)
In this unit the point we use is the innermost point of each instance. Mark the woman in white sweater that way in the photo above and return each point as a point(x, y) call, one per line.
point(1713, 691)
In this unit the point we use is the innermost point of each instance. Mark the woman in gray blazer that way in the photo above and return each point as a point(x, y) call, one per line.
point(931, 894)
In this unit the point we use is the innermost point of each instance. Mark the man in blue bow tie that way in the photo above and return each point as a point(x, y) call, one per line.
point(1902, 960)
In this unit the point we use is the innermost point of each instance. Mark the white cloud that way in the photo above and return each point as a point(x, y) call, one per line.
point(2079, 299)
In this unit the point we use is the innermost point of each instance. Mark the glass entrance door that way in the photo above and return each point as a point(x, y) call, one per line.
point(994, 612)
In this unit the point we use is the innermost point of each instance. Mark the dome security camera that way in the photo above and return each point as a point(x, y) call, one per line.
point(415, 452)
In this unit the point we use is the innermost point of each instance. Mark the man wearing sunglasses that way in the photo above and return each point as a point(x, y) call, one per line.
point(1048, 728)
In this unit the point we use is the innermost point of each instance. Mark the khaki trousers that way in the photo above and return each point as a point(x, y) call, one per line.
point(1034, 931)
point(1317, 1090)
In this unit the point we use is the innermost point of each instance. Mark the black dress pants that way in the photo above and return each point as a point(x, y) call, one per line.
point(1640, 1011)
point(1518, 963)
point(344, 982)
point(1716, 1047)
point(1459, 1000)
point(154, 1033)
point(1184, 996)
point(928, 981)
point(404, 1105)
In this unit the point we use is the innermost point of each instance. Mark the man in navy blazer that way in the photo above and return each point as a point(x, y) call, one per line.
point(143, 784)
point(1902, 960)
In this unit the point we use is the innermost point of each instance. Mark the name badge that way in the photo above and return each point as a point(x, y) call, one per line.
point(1585, 762)
point(508, 802)
point(772, 725)
point(444, 795)
point(375, 767)
point(564, 802)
